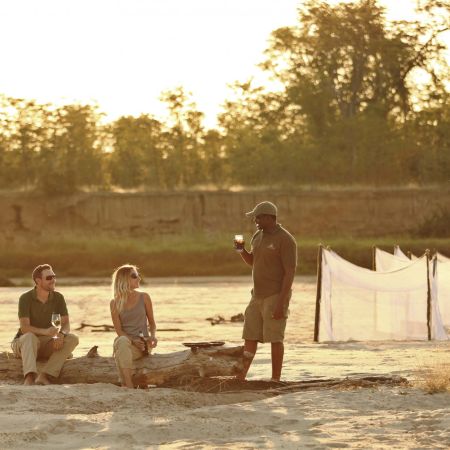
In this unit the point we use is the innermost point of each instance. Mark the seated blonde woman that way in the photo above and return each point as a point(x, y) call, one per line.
point(132, 316)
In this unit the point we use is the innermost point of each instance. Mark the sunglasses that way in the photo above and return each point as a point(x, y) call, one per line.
point(50, 277)
point(134, 275)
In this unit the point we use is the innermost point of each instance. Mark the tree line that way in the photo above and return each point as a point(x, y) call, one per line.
point(362, 100)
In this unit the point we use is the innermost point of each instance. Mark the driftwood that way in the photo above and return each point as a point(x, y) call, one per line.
point(5, 282)
point(216, 320)
point(106, 328)
point(155, 369)
point(220, 384)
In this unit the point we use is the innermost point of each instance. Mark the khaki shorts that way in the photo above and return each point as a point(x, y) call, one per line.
point(259, 325)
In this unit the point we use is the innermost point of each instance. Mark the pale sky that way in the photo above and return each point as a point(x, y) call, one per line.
point(124, 53)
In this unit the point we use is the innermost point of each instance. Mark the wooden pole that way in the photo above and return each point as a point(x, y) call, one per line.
point(427, 252)
point(319, 293)
point(374, 258)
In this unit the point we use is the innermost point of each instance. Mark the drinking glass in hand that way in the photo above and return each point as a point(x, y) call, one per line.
point(144, 341)
point(56, 322)
point(239, 242)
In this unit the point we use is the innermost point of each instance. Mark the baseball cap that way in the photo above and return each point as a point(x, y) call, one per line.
point(263, 208)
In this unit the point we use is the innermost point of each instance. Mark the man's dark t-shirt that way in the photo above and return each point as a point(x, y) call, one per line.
point(40, 314)
point(273, 254)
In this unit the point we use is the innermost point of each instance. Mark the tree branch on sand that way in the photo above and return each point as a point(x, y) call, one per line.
point(110, 328)
point(272, 388)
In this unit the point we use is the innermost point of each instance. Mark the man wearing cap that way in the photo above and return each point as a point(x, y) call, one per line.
point(37, 337)
point(273, 257)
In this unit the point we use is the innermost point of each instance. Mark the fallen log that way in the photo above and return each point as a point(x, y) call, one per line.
point(155, 369)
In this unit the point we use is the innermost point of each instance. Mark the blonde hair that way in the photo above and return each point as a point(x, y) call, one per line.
point(120, 285)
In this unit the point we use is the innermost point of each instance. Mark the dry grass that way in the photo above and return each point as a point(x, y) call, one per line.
point(435, 377)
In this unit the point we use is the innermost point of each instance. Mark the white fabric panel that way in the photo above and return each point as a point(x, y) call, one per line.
point(442, 258)
point(443, 282)
point(438, 330)
point(398, 252)
point(385, 262)
point(360, 304)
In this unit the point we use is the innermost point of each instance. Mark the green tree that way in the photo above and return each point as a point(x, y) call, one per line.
point(183, 162)
point(215, 162)
point(426, 151)
point(6, 155)
point(78, 147)
point(256, 125)
point(24, 133)
point(51, 149)
point(138, 152)
point(347, 71)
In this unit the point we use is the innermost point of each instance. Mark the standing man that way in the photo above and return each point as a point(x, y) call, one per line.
point(37, 337)
point(273, 257)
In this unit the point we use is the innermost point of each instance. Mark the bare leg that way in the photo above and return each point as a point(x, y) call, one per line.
point(277, 360)
point(249, 353)
point(127, 380)
point(29, 379)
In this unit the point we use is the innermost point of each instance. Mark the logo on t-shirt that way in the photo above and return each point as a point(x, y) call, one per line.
point(271, 246)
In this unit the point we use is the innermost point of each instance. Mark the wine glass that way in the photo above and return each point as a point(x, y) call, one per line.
point(56, 322)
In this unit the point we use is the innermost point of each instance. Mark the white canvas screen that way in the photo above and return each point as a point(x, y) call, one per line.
point(443, 258)
point(398, 252)
point(443, 283)
point(360, 304)
point(385, 262)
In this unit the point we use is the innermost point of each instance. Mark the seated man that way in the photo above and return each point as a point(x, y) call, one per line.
point(37, 337)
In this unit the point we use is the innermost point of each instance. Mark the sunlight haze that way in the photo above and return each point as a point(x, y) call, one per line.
point(123, 54)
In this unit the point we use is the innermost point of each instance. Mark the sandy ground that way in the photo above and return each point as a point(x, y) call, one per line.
point(107, 417)
point(104, 416)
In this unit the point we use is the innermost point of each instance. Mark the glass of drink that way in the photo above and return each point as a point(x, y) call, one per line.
point(142, 338)
point(239, 242)
point(56, 322)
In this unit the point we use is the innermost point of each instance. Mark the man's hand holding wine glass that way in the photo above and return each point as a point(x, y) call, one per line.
point(58, 338)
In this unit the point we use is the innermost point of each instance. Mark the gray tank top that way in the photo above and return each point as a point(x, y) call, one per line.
point(134, 320)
